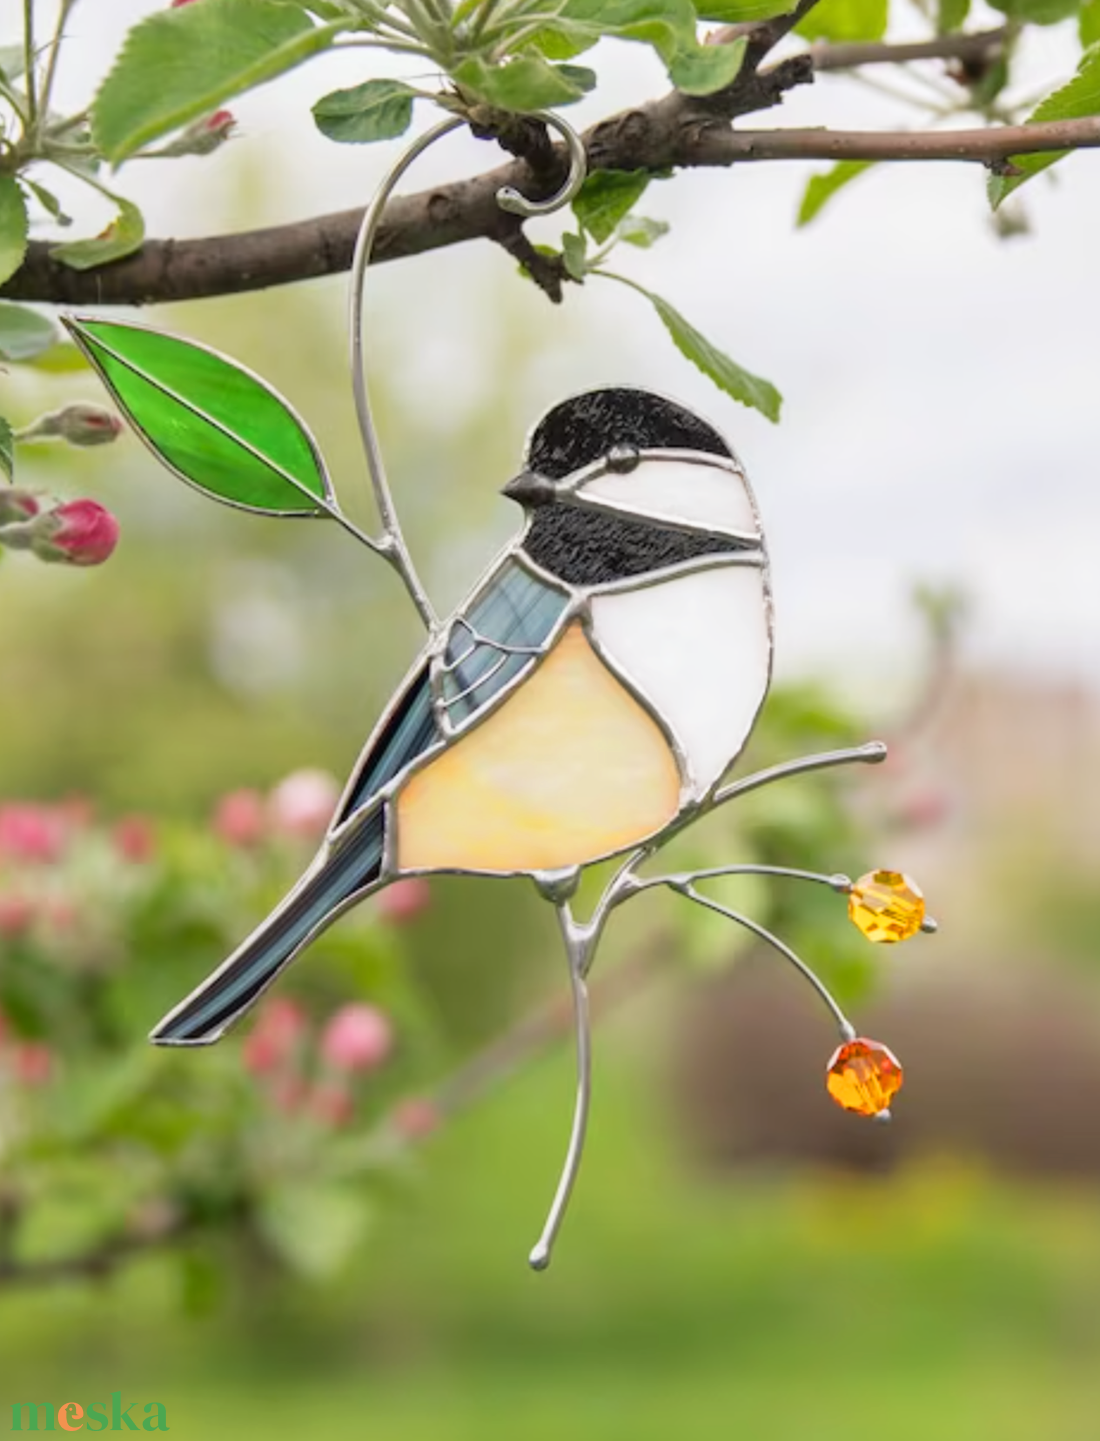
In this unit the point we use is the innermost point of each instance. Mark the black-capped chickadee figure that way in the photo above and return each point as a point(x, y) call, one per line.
point(594, 685)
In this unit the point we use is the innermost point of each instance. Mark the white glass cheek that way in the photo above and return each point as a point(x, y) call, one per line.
point(698, 647)
point(707, 496)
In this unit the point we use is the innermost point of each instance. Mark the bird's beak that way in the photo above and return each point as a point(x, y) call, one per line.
point(530, 489)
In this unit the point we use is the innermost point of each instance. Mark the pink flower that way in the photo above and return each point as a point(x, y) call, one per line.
point(16, 916)
point(404, 900)
point(76, 532)
point(415, 1118)
point(357, 1038)
point(331, 1103)
point(240, 819)
point(32, 1063)
point(274, 1038)
point(31, 833)
point(135, 839)
point(303, 803)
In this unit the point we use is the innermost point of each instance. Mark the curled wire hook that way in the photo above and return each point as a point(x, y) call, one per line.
point(392, 545)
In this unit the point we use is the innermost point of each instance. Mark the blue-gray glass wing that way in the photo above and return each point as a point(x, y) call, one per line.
point(503, 632)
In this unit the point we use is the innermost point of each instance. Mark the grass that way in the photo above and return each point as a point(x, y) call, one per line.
point(939, 1305)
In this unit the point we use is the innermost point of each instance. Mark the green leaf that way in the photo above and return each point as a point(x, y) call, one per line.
point(376, 110)
point(122, 237)
point(726, 374)
point(48, 201)
point(13, 226)
point(7, 450)
point(581, 76)
point(1088, 23)
point(574, 252)
point(12, 62)
point(24, 333)
point(846, 20)
point(606, 197)
point(639, 230)
point(703, 69)
point(314, 1228)
point(522, 84)
point(669, 26)
point(1037, 12)
point(180, 64)
point(951, 15)
point(820, 189)
point(563, 41)
point(1079, 98)
point(737, 12)
point(217, 426)
point(737, 382)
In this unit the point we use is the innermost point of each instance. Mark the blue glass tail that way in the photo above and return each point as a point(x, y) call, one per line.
point(236, 985)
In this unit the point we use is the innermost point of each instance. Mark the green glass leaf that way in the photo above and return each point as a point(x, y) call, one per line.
point(7, 450)
point(820, 189)
point(376, 110)
point(215, 424)
point(639, 230)
point(24, 333)
point(13, 226)
point(1088, 23)
point(1079, 98)
point(846, 20)
point(606, 197)
point(122, 237)
point(182, 63)
point(522, 84)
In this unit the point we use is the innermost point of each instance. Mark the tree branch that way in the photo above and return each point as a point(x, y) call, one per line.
point(665, 134)
point(980, 46)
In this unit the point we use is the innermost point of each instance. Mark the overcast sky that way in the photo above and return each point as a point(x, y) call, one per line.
point(941, 386)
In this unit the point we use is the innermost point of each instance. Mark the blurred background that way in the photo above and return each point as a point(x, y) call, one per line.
point(323, 1225)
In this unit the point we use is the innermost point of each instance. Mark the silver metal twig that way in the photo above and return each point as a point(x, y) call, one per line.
point(575, 947)
point(392, 545)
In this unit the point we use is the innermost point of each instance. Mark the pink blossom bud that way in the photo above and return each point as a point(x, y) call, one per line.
point(16, 917)
point(357, 1038)
point(404, 900)
point(201, 137)
point(135, 839)
point(31, 833)
point(240, 818)
point(175, 5)
point(32, 1063)
point(77, 532)
point(79, 423)
point(415, 1118)
point(275, 1036)
point(303, 803)
point(16, 505)
point(331, 1103)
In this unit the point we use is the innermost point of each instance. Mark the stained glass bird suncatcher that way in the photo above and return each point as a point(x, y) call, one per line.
point(585, 701)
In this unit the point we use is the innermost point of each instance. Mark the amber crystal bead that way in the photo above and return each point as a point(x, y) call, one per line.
point(864, 1076)
point(886, 906)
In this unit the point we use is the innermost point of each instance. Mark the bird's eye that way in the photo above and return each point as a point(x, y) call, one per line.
point(623, 458)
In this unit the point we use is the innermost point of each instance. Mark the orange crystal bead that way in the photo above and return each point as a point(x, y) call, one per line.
point(886, 906)
point(864, 1076)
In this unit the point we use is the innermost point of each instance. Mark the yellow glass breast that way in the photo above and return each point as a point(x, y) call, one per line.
point(569, 768)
